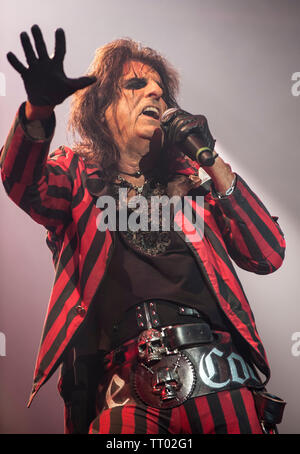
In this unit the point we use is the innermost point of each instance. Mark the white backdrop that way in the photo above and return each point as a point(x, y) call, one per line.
point(238, 61)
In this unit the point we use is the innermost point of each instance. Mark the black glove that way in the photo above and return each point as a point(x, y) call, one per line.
point(45, 81)
point(178, 124)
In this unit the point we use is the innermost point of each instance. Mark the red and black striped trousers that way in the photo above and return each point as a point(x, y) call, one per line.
point(226, 412)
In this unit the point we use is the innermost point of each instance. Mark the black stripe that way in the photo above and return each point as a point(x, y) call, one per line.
point(91, 257)
point(96, 425)
point(221, 252)
point(77, 198)
point(81, 225)
point(59, 192)
point(40, 162)
point(140, 420)
point(74, 166)
point(21, 160)
point(7, 144)
point(59, 304)
point(217, 413)
point(164, 421)
point(241, 412)
point(8, 184)
point(56, 170)
point(250, 242)
point(235, 304)
point(193, 416)
point(116, 420)
point(31, 199)
point(66, 256)
point(48, 357)
point(256, 220)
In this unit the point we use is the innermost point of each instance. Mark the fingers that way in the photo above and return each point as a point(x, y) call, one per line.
point(16, 63)
point(28, 49)
point(39, 41)
point(60, 45)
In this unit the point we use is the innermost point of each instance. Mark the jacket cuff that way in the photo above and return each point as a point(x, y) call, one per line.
point(37, 130)
point(233, 203)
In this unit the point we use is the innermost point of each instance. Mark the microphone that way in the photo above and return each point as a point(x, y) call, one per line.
point(191, 143)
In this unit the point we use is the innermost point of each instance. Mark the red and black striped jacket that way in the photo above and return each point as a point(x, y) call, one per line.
point(57, 191)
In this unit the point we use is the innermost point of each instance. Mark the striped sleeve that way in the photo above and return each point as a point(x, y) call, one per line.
point(253, 237)
point(39, 184)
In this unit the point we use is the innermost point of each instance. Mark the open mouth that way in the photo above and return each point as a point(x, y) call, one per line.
point(152, 112)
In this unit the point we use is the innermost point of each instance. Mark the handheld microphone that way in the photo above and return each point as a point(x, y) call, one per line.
point(191, 143)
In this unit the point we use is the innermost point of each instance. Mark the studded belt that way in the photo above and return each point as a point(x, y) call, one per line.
point(153, 313)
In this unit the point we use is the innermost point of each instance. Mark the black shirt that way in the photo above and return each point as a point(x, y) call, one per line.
point(173, 275)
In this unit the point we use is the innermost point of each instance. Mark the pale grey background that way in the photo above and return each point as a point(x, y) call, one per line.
point(236, 59)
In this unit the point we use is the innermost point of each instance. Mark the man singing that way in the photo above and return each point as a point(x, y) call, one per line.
point(151, 326)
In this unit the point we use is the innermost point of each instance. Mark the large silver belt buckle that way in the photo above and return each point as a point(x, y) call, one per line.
point(162, 378)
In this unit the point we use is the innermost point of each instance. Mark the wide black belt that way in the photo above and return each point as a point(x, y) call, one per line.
point(163, 367)
point(182, 362)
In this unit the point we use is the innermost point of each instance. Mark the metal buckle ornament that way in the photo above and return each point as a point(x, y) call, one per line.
point(167, 383)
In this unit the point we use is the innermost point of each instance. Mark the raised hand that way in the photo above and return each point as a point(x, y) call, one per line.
point(45, 81)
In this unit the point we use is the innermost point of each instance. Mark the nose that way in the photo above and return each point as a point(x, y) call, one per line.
point(153, 90)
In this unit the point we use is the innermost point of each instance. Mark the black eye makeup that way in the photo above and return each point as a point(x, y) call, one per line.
point(135, 83)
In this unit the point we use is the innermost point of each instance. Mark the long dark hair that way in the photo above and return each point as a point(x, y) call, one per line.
point(95, 142)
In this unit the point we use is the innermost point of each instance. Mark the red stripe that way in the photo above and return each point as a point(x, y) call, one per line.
point(152, 421)
point(104, 422)
point(205, 415)
point(12, 148)
point(251, 411)
point(34, 156)
point(73, 326)
point(128, 422)
point(16, 193)
point(231, 419)
point(184, 422)
point(211, 222)
point(97, 271)
point(266, 249)
point(259, 210)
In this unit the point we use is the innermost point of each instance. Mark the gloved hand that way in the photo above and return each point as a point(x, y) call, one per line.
point(178, 124)
point(45, 81)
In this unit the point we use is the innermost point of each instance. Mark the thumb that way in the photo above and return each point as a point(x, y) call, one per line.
point(82, 82)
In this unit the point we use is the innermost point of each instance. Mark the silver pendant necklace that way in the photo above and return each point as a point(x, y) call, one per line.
point(138, 189)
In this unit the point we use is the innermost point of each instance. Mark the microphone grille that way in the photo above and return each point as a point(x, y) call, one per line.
point(169, 114)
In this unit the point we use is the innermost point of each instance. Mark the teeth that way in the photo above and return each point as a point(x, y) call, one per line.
point(155, 110)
